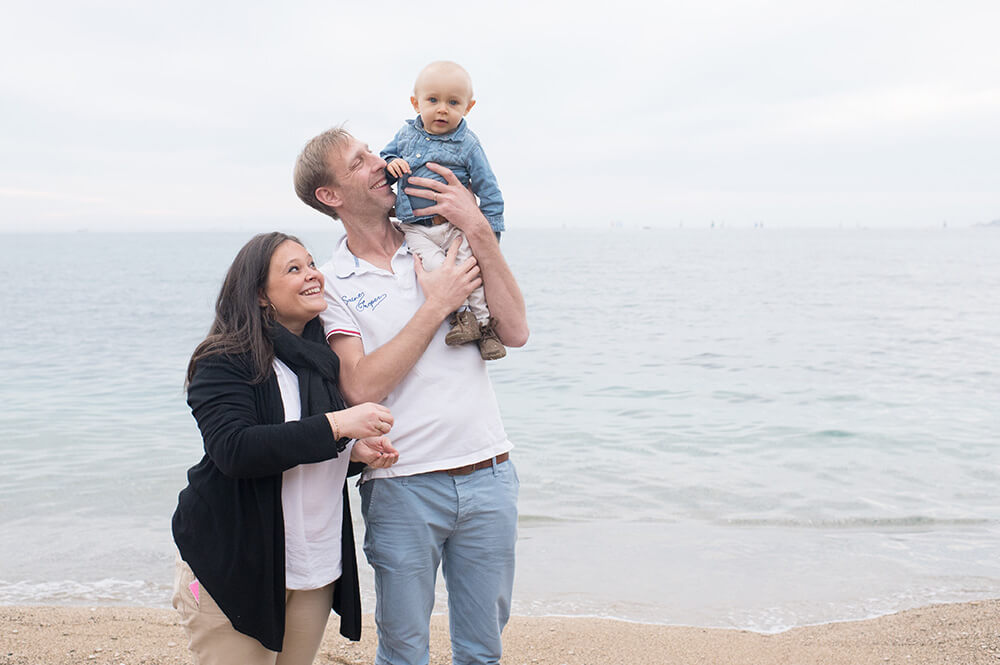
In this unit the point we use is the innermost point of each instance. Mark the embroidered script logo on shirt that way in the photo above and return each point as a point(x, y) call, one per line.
point(360, 303)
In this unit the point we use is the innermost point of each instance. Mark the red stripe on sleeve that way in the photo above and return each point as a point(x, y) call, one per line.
point(343, 331)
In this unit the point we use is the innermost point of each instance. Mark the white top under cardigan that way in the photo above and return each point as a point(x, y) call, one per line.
point(312, 504)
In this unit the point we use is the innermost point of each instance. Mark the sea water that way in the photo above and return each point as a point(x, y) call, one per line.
point(740, 428)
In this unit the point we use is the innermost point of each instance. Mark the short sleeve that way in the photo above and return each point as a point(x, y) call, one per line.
point(337, 318)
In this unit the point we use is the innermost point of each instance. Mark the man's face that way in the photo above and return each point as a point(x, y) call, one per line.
point(361, 184)
point(442, 100)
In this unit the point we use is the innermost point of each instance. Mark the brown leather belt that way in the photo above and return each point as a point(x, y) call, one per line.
point(469, 468)
point(430, 221)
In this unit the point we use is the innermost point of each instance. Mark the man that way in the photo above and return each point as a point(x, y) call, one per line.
point(452, 497)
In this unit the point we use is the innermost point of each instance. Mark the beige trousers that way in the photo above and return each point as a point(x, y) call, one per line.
point(431, 244)
point(212, 639)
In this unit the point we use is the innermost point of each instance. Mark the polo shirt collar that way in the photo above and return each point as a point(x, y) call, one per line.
point(346, 264)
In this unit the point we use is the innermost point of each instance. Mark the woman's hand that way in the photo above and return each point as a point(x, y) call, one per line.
point(377, 452)
point(357, 422)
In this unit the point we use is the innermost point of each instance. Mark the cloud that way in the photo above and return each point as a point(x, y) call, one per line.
point(587, 112)
point(11, 193)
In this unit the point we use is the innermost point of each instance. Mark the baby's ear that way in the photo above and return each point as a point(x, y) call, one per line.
point(416, 106)
point(468, 108)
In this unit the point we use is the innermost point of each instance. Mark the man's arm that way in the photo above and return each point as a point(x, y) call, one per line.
point(371, 377)
point(458, 205)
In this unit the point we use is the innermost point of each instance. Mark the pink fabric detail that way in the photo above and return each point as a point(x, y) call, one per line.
point(194, 591)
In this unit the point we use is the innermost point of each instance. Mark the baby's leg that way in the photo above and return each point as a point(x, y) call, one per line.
point(477, 303)
point(490, 346)
point(473, 323)
point(427, 242)
point(477, 299)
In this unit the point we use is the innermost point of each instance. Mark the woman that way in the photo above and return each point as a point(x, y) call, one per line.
point(264, 528)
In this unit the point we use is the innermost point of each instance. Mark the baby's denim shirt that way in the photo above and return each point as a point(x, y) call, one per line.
point(460, 151)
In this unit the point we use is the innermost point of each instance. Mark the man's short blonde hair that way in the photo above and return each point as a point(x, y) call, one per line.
point(312, 170)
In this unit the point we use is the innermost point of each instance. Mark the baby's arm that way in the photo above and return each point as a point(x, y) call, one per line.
point(484, 184)
point(398, 167)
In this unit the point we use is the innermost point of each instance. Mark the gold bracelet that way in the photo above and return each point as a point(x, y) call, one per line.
point(336, 427)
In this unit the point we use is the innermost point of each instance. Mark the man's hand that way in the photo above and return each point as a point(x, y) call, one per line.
point(398, 167)
point(453, 200)
point(458, 205)
point(370, 377)
point(446, 288)
point(377, 452)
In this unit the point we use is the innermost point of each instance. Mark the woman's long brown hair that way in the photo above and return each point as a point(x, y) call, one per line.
point(240, 324)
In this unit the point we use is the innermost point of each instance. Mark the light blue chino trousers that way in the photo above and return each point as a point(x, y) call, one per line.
point(468, 525)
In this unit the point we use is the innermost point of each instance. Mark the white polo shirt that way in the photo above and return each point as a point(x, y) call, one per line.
point(445, 410)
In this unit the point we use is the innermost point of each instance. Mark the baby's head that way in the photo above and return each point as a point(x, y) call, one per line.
point(442, 96)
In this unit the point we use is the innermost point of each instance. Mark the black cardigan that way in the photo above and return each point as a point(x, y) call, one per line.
point(228, 525)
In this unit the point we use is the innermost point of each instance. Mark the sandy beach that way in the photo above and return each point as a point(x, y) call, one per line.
point(964, 633)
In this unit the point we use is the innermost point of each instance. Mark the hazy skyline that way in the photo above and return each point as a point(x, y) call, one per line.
point(189, 116)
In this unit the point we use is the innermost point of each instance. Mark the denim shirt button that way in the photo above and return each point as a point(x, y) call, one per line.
point(418, 154)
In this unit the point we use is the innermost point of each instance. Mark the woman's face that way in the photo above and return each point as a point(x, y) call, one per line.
point(294, 287)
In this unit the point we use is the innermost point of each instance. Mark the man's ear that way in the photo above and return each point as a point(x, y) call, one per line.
point(416, 106)
point(468, 108)
point(328, 196)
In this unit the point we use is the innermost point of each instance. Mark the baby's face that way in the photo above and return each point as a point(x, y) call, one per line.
point(442, 100)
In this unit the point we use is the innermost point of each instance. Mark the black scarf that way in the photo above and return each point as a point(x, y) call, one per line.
point(315, 364)
point(317, 368)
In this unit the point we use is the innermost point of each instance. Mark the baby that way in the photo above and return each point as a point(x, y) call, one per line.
point(442, 96)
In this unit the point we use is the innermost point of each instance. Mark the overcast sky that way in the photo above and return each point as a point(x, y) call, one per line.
point(189, 115)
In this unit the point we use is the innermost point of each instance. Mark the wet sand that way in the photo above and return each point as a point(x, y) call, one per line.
point(964, 633)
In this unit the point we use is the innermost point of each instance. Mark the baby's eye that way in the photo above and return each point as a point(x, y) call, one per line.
point(454, 102)
point(432, 100)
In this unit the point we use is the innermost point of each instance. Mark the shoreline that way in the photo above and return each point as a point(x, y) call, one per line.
point(966, 633)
